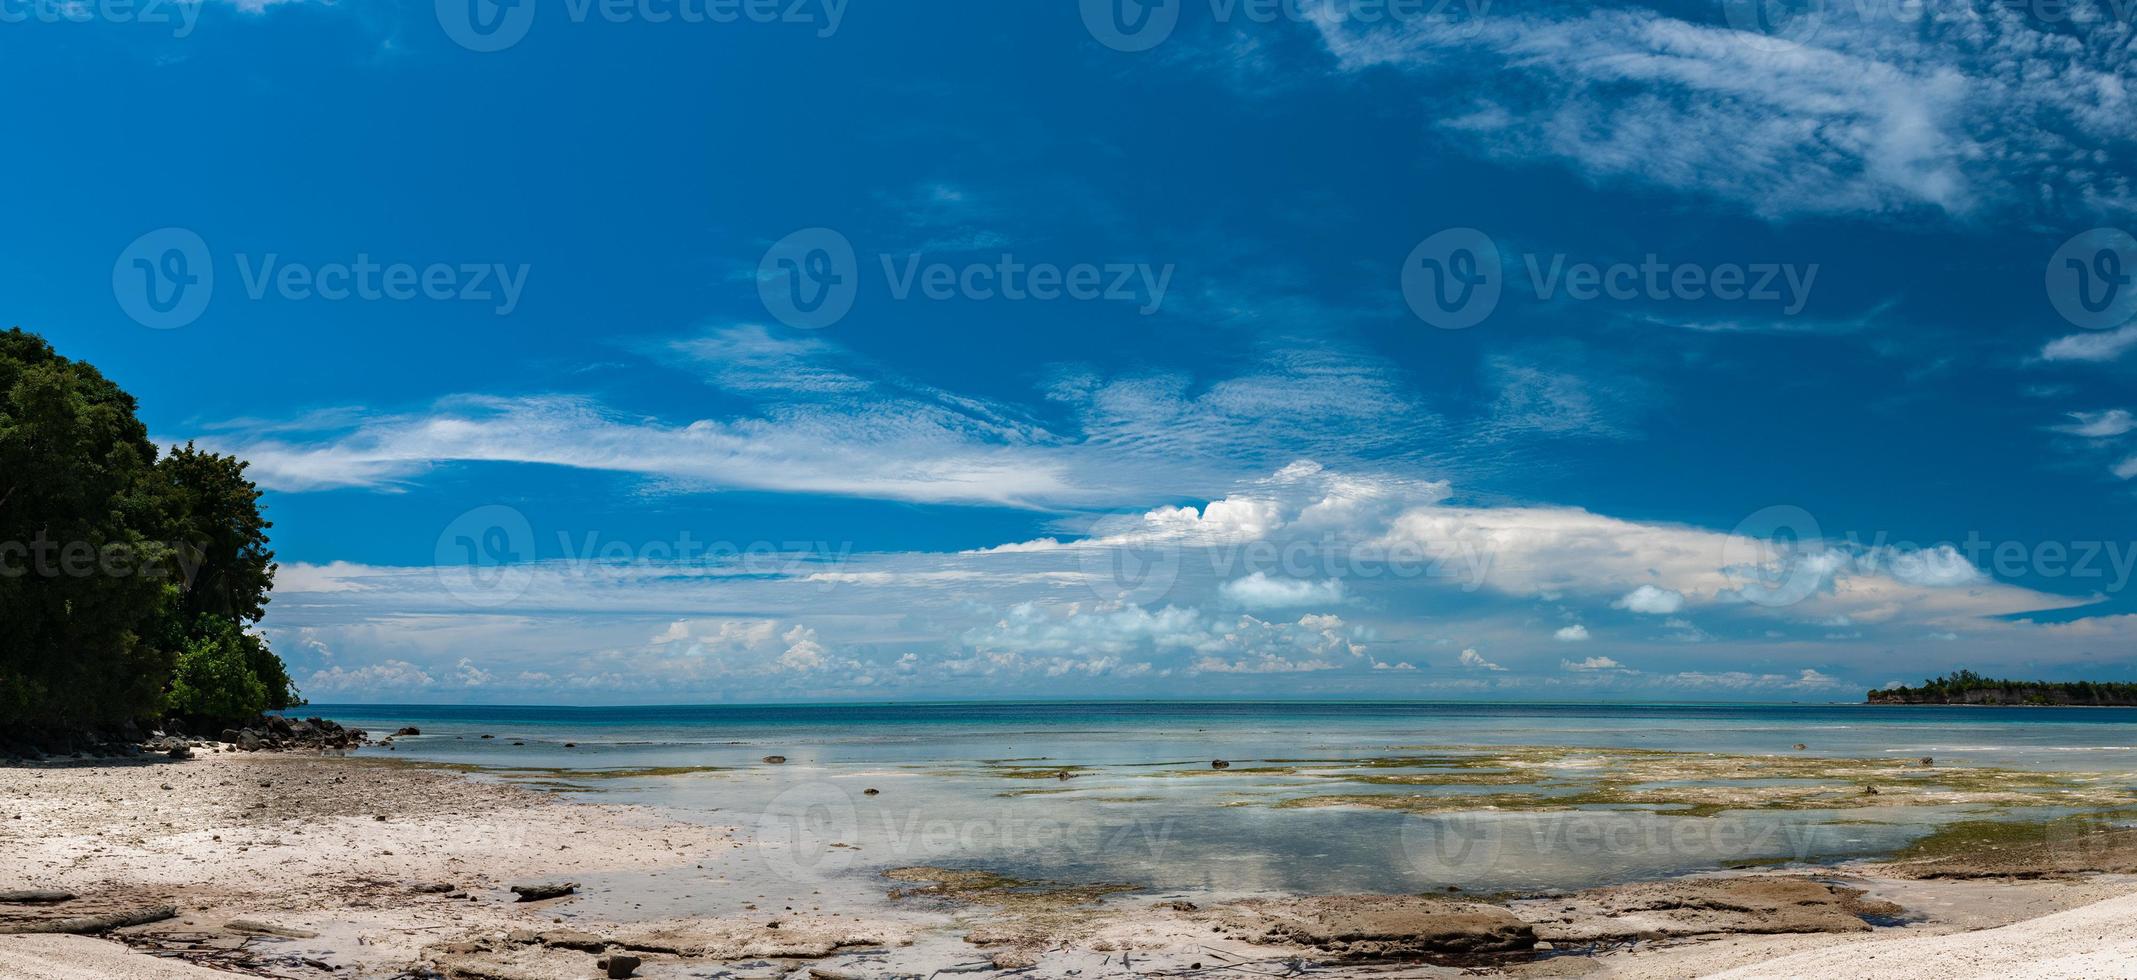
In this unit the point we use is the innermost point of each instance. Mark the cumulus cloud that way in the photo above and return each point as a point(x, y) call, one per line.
point(1736, 680)
point(1475, 661)
point(386, 676)
point(1651, 600)
point(1939, 567)
point(991, 619)
point(1259, 591)
point(1571, 634)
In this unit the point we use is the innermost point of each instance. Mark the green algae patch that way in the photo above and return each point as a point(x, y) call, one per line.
point(1696, 784)
point(978, 887)
point(2060, 846)
point(517, 773)
point(1036, 772)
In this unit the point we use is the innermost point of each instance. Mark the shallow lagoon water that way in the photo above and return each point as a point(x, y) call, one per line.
point(976, 785)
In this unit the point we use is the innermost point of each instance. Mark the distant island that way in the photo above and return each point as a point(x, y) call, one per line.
point(1967, 687)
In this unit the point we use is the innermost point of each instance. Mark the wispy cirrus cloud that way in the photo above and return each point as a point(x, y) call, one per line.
point(1958, 108)
point(824, 421)
point(2095, 347)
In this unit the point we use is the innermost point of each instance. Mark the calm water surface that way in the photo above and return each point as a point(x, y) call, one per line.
point(1143, 808)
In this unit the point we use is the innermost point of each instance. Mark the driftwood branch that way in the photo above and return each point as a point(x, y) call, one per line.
point(93, 923)
point(34, 897)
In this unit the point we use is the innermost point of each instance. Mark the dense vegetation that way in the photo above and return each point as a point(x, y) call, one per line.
point(129, 579)
point(1967, 687)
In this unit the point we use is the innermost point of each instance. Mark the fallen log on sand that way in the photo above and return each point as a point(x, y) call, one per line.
point(84, 925)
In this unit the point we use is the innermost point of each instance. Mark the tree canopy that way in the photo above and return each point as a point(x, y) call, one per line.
point(129, 579)
point(1967, 687)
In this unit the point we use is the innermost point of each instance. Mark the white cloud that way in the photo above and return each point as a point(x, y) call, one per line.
point(2093, 346)
point(1259, 591)
point(2100, 425)
point(748, 357)
point(803, 653)
point(1592, 663)
point(1939, 567)
point(1957, 107)
point(1736, 680)
point(387, 676)
point(1571, 634)
point(469, 675)
point(994, 619)
point(1475, 661)
point(1651, 600)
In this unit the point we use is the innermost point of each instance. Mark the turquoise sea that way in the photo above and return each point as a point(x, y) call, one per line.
point(980, 784)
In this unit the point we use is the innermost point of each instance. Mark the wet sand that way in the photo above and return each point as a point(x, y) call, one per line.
point(308, 866)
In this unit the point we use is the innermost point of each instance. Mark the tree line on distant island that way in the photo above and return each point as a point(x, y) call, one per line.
point(130, 580)
point(1967, 687)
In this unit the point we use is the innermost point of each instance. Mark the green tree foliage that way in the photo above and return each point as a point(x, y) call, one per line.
point(215, 678)
point(221, 538)
point(113, 563)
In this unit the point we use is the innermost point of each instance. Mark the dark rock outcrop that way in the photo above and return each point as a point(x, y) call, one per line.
point(1379, 926)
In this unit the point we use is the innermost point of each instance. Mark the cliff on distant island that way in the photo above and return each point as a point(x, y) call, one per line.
point(1967, 687)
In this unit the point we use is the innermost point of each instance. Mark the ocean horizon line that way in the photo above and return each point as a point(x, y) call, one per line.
point(941, 702)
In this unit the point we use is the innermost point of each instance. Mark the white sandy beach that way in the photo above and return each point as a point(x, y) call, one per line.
point(370, 870)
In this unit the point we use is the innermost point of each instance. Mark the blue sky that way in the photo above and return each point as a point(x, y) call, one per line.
point(1414, 350)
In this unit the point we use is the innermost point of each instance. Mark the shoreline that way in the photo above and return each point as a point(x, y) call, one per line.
point(376, 867)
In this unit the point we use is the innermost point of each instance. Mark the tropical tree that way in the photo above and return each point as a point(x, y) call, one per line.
point(114, 564)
